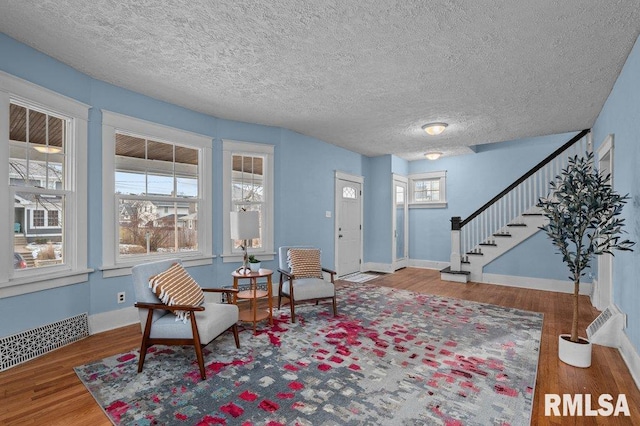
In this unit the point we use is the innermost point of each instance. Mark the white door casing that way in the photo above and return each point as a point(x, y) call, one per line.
point(400, 249)
point(603, 288)
point(348, 223)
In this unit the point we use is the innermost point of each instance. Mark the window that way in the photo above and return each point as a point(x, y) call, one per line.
point(349, 192)
point(52, 218)
point(43, 158)
point(428, 190)
point(248, 185)
point(157, 181)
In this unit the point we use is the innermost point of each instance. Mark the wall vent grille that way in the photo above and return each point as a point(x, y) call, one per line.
point(606, 329)
point(30, 344)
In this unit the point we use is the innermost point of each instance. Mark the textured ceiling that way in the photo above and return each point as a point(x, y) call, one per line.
point(364, 75)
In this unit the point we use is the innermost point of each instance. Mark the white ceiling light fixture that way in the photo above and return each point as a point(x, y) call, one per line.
point(434, 129)
point(433, 155)
point(47, 149)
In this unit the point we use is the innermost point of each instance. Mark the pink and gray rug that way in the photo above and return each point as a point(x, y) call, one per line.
point(390, 357)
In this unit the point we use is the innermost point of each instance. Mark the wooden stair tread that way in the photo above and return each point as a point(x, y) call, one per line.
point(448, 270)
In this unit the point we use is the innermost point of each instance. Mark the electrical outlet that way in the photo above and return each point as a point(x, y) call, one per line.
point(121, 297)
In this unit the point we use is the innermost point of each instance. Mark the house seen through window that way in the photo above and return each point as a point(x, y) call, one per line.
point(156, 184)
point(37, 161)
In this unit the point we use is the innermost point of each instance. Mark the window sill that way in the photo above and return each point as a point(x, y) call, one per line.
point(124, 268)
point(52, 279)
point(439, 205)
point(235, 257)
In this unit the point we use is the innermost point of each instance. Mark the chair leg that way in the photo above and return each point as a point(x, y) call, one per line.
point(293, 310)
point(234, 329)
point(198, 346)
point(143, 353)
point(145, 337)
point(335, 307)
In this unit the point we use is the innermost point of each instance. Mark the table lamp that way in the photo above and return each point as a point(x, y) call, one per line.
point(244, 225)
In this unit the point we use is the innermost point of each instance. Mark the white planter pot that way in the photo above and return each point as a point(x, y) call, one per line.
point(575, 354)
point(255, 267)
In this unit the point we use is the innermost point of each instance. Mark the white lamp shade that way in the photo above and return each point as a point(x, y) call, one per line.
point(244, 225)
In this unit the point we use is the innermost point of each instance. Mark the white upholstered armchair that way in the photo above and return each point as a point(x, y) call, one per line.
point(303, 279)
point(198, 324)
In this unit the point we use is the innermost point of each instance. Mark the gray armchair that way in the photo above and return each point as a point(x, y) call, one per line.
point(159, 325)
point(299, 290)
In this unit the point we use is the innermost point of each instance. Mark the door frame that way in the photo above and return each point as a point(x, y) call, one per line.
point(603, 290)
point(395, 264)
point(342, 176)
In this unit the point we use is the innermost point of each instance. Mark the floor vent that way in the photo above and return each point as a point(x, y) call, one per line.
point(32, 343)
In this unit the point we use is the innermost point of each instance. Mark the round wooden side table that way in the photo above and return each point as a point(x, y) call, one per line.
point(253, 295)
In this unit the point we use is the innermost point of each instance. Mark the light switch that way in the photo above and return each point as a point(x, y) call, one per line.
point(327, 213)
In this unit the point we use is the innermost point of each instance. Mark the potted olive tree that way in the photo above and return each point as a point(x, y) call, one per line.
point(584, 221)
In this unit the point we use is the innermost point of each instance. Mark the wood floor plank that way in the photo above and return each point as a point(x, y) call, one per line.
point(47, 391)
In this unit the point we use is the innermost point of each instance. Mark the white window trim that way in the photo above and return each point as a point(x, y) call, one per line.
point(442, 203)
point(75, 269)
point(113, 122)
point(230, 148)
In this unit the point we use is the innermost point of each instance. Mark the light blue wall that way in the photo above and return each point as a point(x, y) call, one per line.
point(620, 116)
point(306, 171)
point(304, 186)
point(399, 166)
point(472, 180)
point(377, 202)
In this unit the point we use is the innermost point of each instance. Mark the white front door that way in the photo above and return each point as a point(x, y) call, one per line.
point(602, 292)
point(348, 224)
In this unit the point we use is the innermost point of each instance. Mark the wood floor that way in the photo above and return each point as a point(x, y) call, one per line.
point(46, 391)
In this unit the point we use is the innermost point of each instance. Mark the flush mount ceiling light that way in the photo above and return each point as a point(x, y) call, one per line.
point(47, 149)
point(434, 129)
point(433, 155)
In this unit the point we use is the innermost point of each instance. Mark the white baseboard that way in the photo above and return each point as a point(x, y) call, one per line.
point(113, 319)
point(428, 264)
point(630, 357)
point(386, 268)
point(536, 283)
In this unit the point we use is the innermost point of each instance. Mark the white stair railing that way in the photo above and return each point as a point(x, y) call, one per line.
point(505, 208)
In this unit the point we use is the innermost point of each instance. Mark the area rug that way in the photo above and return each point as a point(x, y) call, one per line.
point(389, 357)
point(359, 277)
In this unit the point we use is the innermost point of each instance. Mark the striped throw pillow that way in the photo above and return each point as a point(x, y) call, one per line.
point(304, 263)
point(176, 287)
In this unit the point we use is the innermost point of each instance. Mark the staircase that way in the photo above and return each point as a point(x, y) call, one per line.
point(19, 246)
point(500, 242)
point(508, 219)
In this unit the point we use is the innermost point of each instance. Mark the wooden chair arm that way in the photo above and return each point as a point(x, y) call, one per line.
point(153, 306)
point(220, 290)
point(329, 271)
point(289, 275)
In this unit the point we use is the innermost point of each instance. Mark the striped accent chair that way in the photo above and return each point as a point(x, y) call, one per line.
point(180, 313)
point(303, 279)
